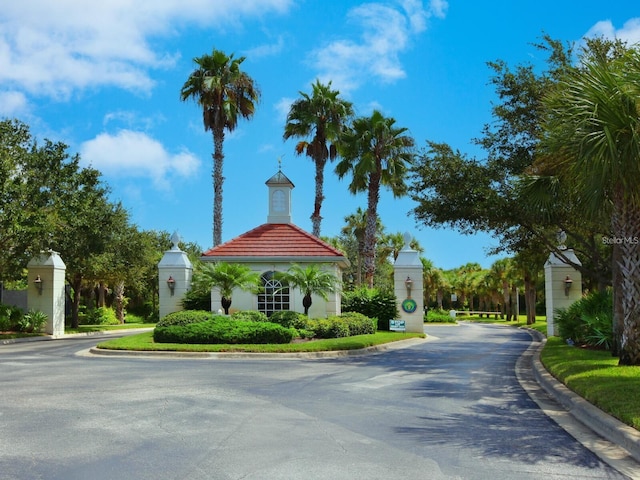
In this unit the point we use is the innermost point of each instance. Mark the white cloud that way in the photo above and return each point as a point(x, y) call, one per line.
point(135, 154)
point(12, 103)
point(266, 50)
point(630, 31)
point(386, 32)
point(282, 108)
point(56, 48)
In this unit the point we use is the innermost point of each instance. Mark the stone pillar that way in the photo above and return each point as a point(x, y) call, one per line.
point(46, 290)
point(408, 287)
point(562, 286)
point(174, 278)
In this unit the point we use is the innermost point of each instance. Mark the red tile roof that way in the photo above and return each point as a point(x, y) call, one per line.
point(276, 241)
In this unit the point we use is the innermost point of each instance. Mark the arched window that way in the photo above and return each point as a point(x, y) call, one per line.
point(273, 297)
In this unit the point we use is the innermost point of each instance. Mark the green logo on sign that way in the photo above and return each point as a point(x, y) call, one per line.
point(409, 305)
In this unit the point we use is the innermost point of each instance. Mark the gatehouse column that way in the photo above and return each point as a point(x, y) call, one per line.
point(562, 283)
point(46, 290)
point(408, 288)
point(174, 278)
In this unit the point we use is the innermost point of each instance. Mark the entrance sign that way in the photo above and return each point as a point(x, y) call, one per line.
point(397, 325)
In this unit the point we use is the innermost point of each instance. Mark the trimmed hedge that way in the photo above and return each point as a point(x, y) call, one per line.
point(185, 317)
point(224, 330)
point(249, 316)
point(345, 325)
point(290, 319)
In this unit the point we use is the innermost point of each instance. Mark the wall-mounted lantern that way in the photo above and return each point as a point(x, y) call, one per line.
point(38, 283)
point(408, 283)
point(171, 283)
point(567, 285)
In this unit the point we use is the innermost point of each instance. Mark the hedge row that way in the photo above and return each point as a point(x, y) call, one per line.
point(223, 330)
point(345, 325)
point(185, 317)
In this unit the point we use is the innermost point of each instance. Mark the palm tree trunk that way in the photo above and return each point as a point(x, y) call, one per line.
point(370, 229)
point(505, 312)
point(626, 218)
point(218, 179)
point(75, 306)
point(316, 218)
point(119, 300)
point(514, 303)
point(530, 300)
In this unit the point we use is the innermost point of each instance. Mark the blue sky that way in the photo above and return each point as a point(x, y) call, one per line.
point(104, 77)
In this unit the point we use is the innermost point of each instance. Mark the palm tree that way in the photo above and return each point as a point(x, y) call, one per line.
point(225, 94)
point(321, 116)
point(310, 280)
point(356, 224)
point(500, 270)
point(376, 153)
point(226, 277)
point(591, 125)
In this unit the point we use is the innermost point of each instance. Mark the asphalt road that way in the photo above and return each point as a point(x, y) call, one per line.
point(448, 408)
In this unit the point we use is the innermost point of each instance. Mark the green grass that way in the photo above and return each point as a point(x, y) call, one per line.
point(540, 325)
point(104, 328)
point(144, 342)
point(596, 376)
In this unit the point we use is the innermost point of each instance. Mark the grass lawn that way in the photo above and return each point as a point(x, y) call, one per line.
point(596, 376)
point(104, 328)
point(144, 341)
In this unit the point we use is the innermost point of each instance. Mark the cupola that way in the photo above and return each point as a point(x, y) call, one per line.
point(279, 198)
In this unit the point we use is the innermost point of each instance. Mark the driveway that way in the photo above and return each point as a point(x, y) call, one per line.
point(448, 408)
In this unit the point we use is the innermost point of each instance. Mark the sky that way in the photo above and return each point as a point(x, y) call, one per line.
point(104, 78)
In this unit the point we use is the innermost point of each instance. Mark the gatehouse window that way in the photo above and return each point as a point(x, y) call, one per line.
point(274, 296)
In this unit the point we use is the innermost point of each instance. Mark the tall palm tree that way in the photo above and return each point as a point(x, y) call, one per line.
point(227, 277)
point(377, 154)
point(311, 280)
point(225, 93)
point(356, 224)
point(321, 116)
point(591, 132)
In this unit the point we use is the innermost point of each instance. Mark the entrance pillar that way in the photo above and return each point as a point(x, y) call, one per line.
point(174, 278)
point(562, 284)
point(46, 290)
point(408, 287)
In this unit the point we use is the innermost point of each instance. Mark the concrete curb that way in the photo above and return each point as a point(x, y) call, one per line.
point(600, 422)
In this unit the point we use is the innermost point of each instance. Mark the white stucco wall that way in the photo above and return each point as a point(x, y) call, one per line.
point(241, 300)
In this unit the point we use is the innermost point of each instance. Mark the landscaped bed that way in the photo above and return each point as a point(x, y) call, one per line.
point(145, 342)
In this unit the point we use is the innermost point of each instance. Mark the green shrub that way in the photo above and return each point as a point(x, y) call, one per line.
point(184, 317)
point(101, 316)
point(289, 319)
point(359, 324)
point(196, 300)
point(133, 318)
point(9, 317)
point(588, 321)
point(438, 316)
point(332, 327)
point(224, 330)
point(32, 321)
point(250, 316)
point(146, 313)
point(373, 303)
